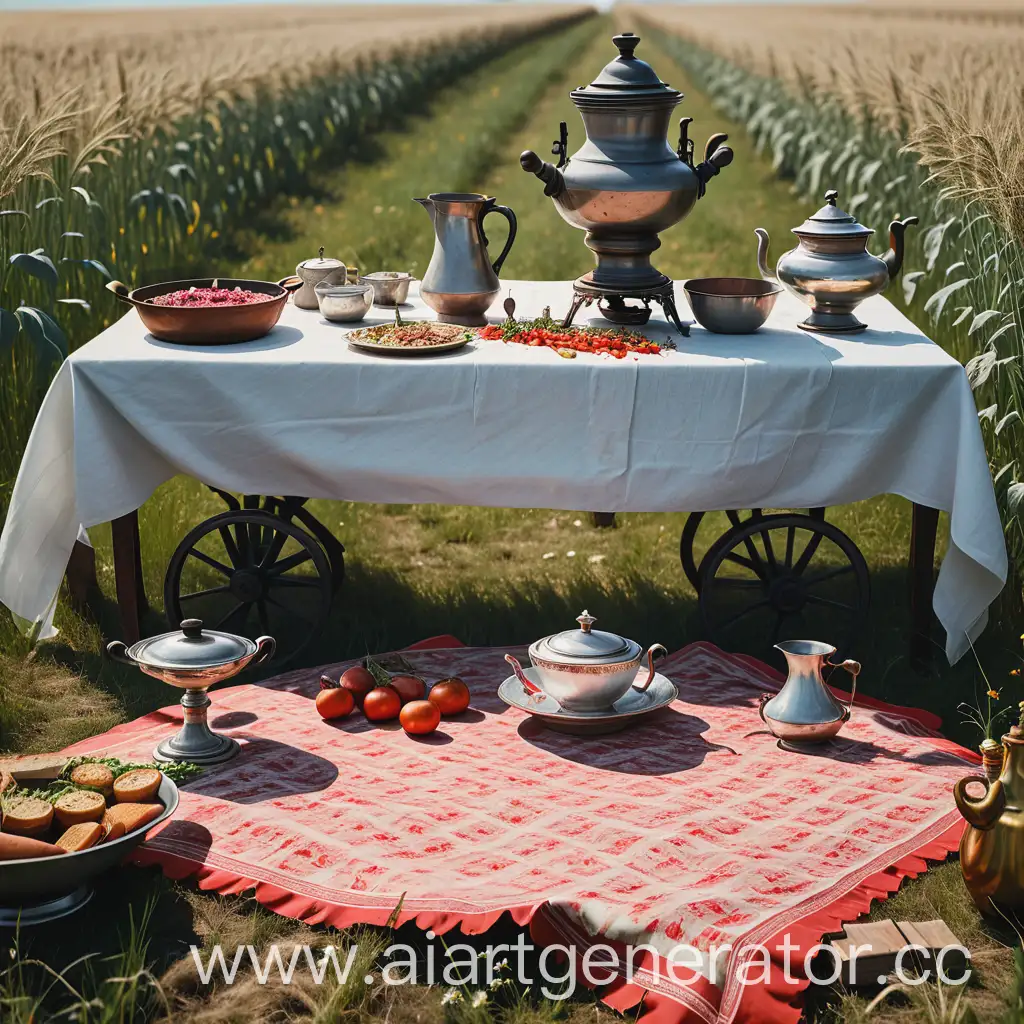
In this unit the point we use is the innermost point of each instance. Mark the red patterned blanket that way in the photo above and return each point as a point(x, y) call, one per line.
point(686, 834)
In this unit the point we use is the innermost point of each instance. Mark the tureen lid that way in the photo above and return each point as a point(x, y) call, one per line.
point(626, 78)
point(592, 644)
point(321, 262)
point(191, 648)
point(832, 222)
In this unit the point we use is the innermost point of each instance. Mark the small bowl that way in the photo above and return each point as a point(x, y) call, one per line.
point(344, 303)
point(390, 287)
point(731, 305)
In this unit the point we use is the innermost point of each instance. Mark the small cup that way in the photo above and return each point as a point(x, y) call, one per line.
point(390, 287)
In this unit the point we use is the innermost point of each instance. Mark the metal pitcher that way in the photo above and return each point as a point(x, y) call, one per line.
point(804, 710)
point(461, 282)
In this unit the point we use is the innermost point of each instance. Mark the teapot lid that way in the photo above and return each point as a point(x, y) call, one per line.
point(321, 262)
point(832, 222)
point(626, 78)
point(586, 642)
point(191, 648)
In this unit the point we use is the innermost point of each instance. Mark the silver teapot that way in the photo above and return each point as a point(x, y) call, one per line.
point(322, 270)
point(625, 183)
point(831, 269)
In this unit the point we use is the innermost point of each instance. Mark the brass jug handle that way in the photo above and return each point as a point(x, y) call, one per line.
point(853, 667)
point(984, 812)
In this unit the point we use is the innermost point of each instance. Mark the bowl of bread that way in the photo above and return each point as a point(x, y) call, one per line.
point(64, 822)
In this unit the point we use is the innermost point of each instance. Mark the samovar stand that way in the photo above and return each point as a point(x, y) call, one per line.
point(611, 303)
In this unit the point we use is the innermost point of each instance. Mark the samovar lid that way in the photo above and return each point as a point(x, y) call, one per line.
point(627, 78)
point(832, 222)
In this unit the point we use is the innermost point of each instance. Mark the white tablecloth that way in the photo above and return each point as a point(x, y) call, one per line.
point(780, 418)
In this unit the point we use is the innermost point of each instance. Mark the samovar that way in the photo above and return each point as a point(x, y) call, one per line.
point(625, 184)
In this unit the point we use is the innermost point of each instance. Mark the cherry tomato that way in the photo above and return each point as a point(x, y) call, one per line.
point(359, 682)
point(450, 695)
point(419, 717)
point(409, 687)
point(382, 704)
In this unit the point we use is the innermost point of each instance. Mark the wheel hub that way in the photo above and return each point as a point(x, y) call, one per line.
point(787, 595)
point(246, 585)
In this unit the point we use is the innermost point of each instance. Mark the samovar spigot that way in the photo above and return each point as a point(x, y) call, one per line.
point(716, 156)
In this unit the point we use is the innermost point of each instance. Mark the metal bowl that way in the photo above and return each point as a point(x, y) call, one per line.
point(209, 325)
point(37, 880)
point(344, 303)
point(390, 287)
point(731, 305)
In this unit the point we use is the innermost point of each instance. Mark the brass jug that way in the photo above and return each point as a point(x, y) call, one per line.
point(992, 847)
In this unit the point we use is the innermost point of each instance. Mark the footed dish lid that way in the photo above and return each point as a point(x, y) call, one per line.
point(191, 648)
point(832, 222)
point(593, 646)
point(321, 262)
point(626, 78)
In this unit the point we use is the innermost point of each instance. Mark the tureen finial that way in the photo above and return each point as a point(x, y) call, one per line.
point(321, 252)
point(586, 620)
point(831, 196)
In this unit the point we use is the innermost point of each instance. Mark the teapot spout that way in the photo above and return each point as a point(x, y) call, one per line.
point(893, 259)
point(554, 183)
point(762, 255)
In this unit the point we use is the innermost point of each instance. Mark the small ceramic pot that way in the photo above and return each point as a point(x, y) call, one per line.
point(314, 272)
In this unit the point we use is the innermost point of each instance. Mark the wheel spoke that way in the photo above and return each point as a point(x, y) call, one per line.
point(242, 540)
point(295, 614)
point(769, 551)
point(230, 546)
point(261, 610)
point(289, 563)
point(212, 562)
point(815, 599)
point(813, 581)
point(243, 607)
point(734, 582)
point(304, 583)
point(807, 554)
point(740, 560)
point(739, 615)
point(780, 618)
point(790, 537)
point(274, 549)
point(225, 589)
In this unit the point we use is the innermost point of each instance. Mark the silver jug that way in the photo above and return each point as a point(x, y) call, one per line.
point(804, 710)
point(461, 282)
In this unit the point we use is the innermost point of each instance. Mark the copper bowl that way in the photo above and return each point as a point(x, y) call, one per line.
point(209, 325)
point(731, 305)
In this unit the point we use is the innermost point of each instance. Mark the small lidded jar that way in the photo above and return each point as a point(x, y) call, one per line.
point(313, 272)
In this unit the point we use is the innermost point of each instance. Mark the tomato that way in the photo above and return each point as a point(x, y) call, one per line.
point(419, 717)
point(359, 682)
point(450, 695)
point(334, 702)
point(409, 687)
point(382, 703)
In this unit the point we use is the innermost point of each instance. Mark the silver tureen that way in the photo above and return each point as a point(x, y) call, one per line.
point(586, 669)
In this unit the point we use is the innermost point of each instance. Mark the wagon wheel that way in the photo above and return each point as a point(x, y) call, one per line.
point(687, 540)
point(252, 573)
point(783, 577)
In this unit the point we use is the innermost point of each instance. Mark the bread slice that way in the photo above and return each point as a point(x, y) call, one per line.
point(112, 830)
point(79, 805)
point(22, 848)
point(94, 776)
point(132, 816)
point(137, 786)
point(81, 836)
point(27, 815)
point(34, 766)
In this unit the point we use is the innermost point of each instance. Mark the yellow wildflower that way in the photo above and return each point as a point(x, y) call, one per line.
point(994, 694)
point(1014, 671)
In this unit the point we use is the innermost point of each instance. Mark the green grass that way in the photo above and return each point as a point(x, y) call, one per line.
point(490, 576)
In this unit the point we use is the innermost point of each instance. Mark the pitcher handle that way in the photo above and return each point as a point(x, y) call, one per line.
point(654, 651)
point(507, 213)
point(853, 667)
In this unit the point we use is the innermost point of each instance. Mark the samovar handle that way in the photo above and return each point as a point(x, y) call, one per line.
point(716, 156)
point(685, 148)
